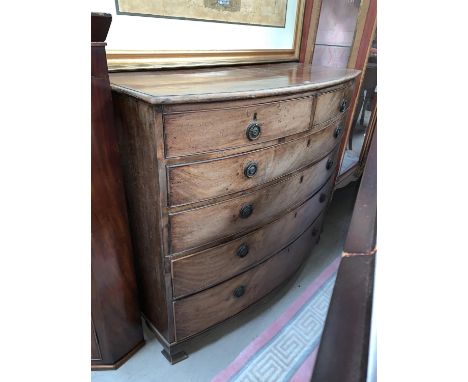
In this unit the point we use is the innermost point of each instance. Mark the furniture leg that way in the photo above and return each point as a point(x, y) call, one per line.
point(173, 354)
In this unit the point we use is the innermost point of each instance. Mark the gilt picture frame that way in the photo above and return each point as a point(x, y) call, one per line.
point(125, 43)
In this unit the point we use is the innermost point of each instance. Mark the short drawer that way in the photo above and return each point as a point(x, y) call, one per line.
point(192, 228)
point(217, 129)
point(209, 179)
point(202, 310)
point(201, 270)
point(331, 104)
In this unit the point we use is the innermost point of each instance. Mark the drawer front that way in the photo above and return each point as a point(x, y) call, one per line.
point(218, 129)
point(201, 270)
point(332, 104)
point(210, 179)
point(193, 228)
point(202, 310)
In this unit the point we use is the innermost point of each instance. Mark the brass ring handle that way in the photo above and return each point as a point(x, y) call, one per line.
point(250, 170)
point(239, 291)
point(338, 131)
point(246, 211)
point(243, 250)
point(253, 131)
point(343, 105)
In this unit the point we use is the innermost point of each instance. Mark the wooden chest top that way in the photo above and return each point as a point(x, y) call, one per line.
point(226, 83)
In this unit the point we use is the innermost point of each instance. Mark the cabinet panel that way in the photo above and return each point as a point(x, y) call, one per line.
point(209, 179)
point(203, 269)
point(203, 131)
point(198, 312)
point(331, 104)
point(192, 228)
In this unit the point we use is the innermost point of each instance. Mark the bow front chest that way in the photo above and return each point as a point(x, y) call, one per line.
point(227, 173)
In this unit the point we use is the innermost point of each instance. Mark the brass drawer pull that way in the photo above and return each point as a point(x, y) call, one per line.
point(322, 198)
point(338, 131)
point(343, 105)
point(329, 163)
point(243, 250)
point(253, 131)
point(246, 211)
point(250, 170)
point(239, 291)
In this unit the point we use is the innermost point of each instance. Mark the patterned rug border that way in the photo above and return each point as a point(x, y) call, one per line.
point(259, 342)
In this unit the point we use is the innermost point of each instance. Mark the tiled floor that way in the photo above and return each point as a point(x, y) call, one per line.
point(214, 350)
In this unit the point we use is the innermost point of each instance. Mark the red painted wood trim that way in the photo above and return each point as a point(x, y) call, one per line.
point(367, 34)
point(309, 5)
point(361, 60)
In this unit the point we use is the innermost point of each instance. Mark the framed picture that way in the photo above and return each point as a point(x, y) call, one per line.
point(252, 12)
point(151, 34)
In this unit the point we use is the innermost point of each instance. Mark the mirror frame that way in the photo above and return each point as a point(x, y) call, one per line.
point(365, 29)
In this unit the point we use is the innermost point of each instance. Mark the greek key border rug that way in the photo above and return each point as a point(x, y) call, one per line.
point(286, 351)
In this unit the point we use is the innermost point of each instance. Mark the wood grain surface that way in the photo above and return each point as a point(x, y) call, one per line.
point(328, 104)
point(95, 351)
point(222, 128)
point(198, 312)
point(226, 83)
point(115, 315)
point(203, 269)
point(209, 179)
point(185, 152)
point(136, 125)
point(192, 228)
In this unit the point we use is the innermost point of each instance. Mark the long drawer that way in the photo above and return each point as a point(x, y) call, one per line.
point(192, 228)
point(332, 103)
point(216, 129)
point(203, 269)
point(202, 310)
point(209, 179)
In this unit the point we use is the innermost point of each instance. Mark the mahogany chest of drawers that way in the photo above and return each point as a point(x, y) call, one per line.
point(227, 173)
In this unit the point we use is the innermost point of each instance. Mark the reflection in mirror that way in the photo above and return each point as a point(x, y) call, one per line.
point(335, 33)
point(365, 106)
